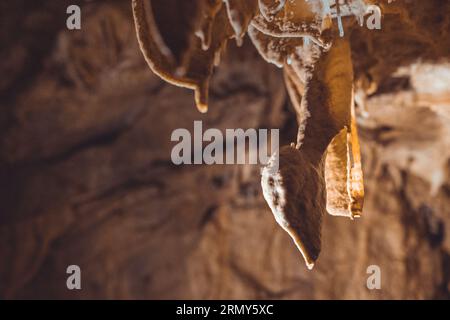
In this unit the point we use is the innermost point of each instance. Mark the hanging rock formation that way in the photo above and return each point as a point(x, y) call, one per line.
point(322, 172)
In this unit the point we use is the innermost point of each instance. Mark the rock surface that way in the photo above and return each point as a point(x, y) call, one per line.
point(86, 176)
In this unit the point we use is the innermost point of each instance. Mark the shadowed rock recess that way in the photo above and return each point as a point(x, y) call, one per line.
point(86, 176)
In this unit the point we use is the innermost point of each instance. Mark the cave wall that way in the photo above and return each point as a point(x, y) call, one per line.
point(86, 176)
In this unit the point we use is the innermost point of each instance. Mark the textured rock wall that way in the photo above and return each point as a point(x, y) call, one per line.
point(86, 176)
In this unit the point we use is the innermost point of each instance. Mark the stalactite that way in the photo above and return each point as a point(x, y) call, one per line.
point(322, 170)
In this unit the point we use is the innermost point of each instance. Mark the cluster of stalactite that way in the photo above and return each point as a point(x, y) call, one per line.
point(321, 172)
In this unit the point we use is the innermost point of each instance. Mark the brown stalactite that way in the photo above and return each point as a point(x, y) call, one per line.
point(320, 83)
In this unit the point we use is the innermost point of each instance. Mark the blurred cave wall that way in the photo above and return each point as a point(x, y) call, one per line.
point(86, 176)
